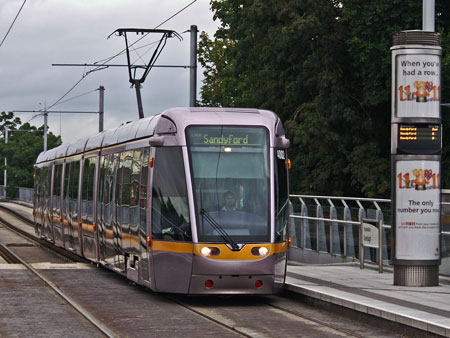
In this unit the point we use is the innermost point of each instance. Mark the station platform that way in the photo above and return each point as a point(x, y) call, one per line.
point(373, 293)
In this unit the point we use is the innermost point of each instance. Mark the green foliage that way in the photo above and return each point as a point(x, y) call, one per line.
point(25, 142)
point(324, 67)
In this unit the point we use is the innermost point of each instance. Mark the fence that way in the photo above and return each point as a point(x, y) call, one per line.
point(24, 194)
point(326, 229)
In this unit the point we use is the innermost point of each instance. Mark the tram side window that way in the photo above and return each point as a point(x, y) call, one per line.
point(47, 184)
point(88, 189)
point(73, 187)
point(135, 188)
point(124, 175)
point(143, 193)
point(66, 189)
point(281, 195)
point(101, 186)
point(71, 176)
point(38, 192)
point(36, 188)
point(170, 210)
point(57, 190)
point(109, 189)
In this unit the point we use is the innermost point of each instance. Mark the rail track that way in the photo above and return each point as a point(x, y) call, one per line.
point(257, 316)
point(13, 258)
point(227, 316)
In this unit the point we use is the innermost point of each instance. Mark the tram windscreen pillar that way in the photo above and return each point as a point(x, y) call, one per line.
point(416, 146)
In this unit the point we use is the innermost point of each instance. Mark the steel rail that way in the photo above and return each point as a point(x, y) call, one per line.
point(318, 321)
point(14, 258)
point(70, 301)
point(63, 254)
point(208, 317)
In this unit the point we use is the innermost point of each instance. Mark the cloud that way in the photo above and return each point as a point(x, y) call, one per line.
point(75, 31)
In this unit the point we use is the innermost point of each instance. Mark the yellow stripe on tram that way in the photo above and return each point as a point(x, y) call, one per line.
point(172, 246)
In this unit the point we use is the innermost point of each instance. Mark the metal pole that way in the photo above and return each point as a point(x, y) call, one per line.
point(380, 246)
point(137, 85)
point(428, 14)
point(6, 161)
point(101, 105)
point(193, 68)
point(361, 246)
point(45, 130)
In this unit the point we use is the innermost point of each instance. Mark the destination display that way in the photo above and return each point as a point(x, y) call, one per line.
point(419, 139)
point(227, 136)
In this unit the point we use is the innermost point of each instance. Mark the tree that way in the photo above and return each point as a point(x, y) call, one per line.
point(324, 67)
point(25, 142)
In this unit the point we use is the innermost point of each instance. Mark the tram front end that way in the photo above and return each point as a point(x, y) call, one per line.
point(240, 195)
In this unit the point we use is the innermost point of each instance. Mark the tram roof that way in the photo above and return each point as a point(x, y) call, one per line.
point(146, 127)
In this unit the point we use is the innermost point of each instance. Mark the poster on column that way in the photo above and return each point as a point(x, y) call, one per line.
point(417, 210)
point(418, 88)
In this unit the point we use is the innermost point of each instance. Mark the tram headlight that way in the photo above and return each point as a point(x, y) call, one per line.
point(208, 251)
point(227, 149)
point(260, 251)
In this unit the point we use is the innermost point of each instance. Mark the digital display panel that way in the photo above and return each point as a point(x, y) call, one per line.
point(227, 136)
point(419, 139)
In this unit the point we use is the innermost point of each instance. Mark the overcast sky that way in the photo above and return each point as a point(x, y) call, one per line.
point(75, 31)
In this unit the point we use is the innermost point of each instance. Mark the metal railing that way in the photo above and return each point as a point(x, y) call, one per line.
point(24, 194)
point(327, 229)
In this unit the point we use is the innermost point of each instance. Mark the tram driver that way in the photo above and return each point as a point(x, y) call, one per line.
point(229, 202)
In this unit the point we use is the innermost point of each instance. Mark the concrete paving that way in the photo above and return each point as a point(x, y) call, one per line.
point(367, 291)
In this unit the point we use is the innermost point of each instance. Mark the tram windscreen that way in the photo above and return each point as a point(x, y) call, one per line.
point(230, 174)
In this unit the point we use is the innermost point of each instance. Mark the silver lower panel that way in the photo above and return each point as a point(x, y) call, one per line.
point(416, 275)
point(232, 284)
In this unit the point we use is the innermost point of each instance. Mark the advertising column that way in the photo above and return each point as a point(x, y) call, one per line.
point(416, 158)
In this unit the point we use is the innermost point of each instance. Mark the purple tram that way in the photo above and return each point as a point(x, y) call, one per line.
point(192, 200)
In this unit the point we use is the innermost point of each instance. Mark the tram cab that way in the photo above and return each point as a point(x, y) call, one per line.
point(201, 206)
point(229, 197)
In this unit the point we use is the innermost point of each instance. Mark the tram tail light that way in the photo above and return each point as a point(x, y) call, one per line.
point(260, 251)
point(209, 251)
point(259, 284)
point(209, 284)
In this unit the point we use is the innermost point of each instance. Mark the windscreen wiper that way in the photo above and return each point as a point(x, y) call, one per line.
point(219, 229)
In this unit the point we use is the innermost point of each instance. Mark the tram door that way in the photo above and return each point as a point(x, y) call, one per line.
point(46, 182)
point(87, 207)
point(57, 211)
point(39, 201)
point(107, 211)
point(171, 251)
point(70, 223)
point(144, 212)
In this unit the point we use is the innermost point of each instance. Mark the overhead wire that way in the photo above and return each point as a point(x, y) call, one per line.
point(103, 64)
point(78, 96)
point(10, 27)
